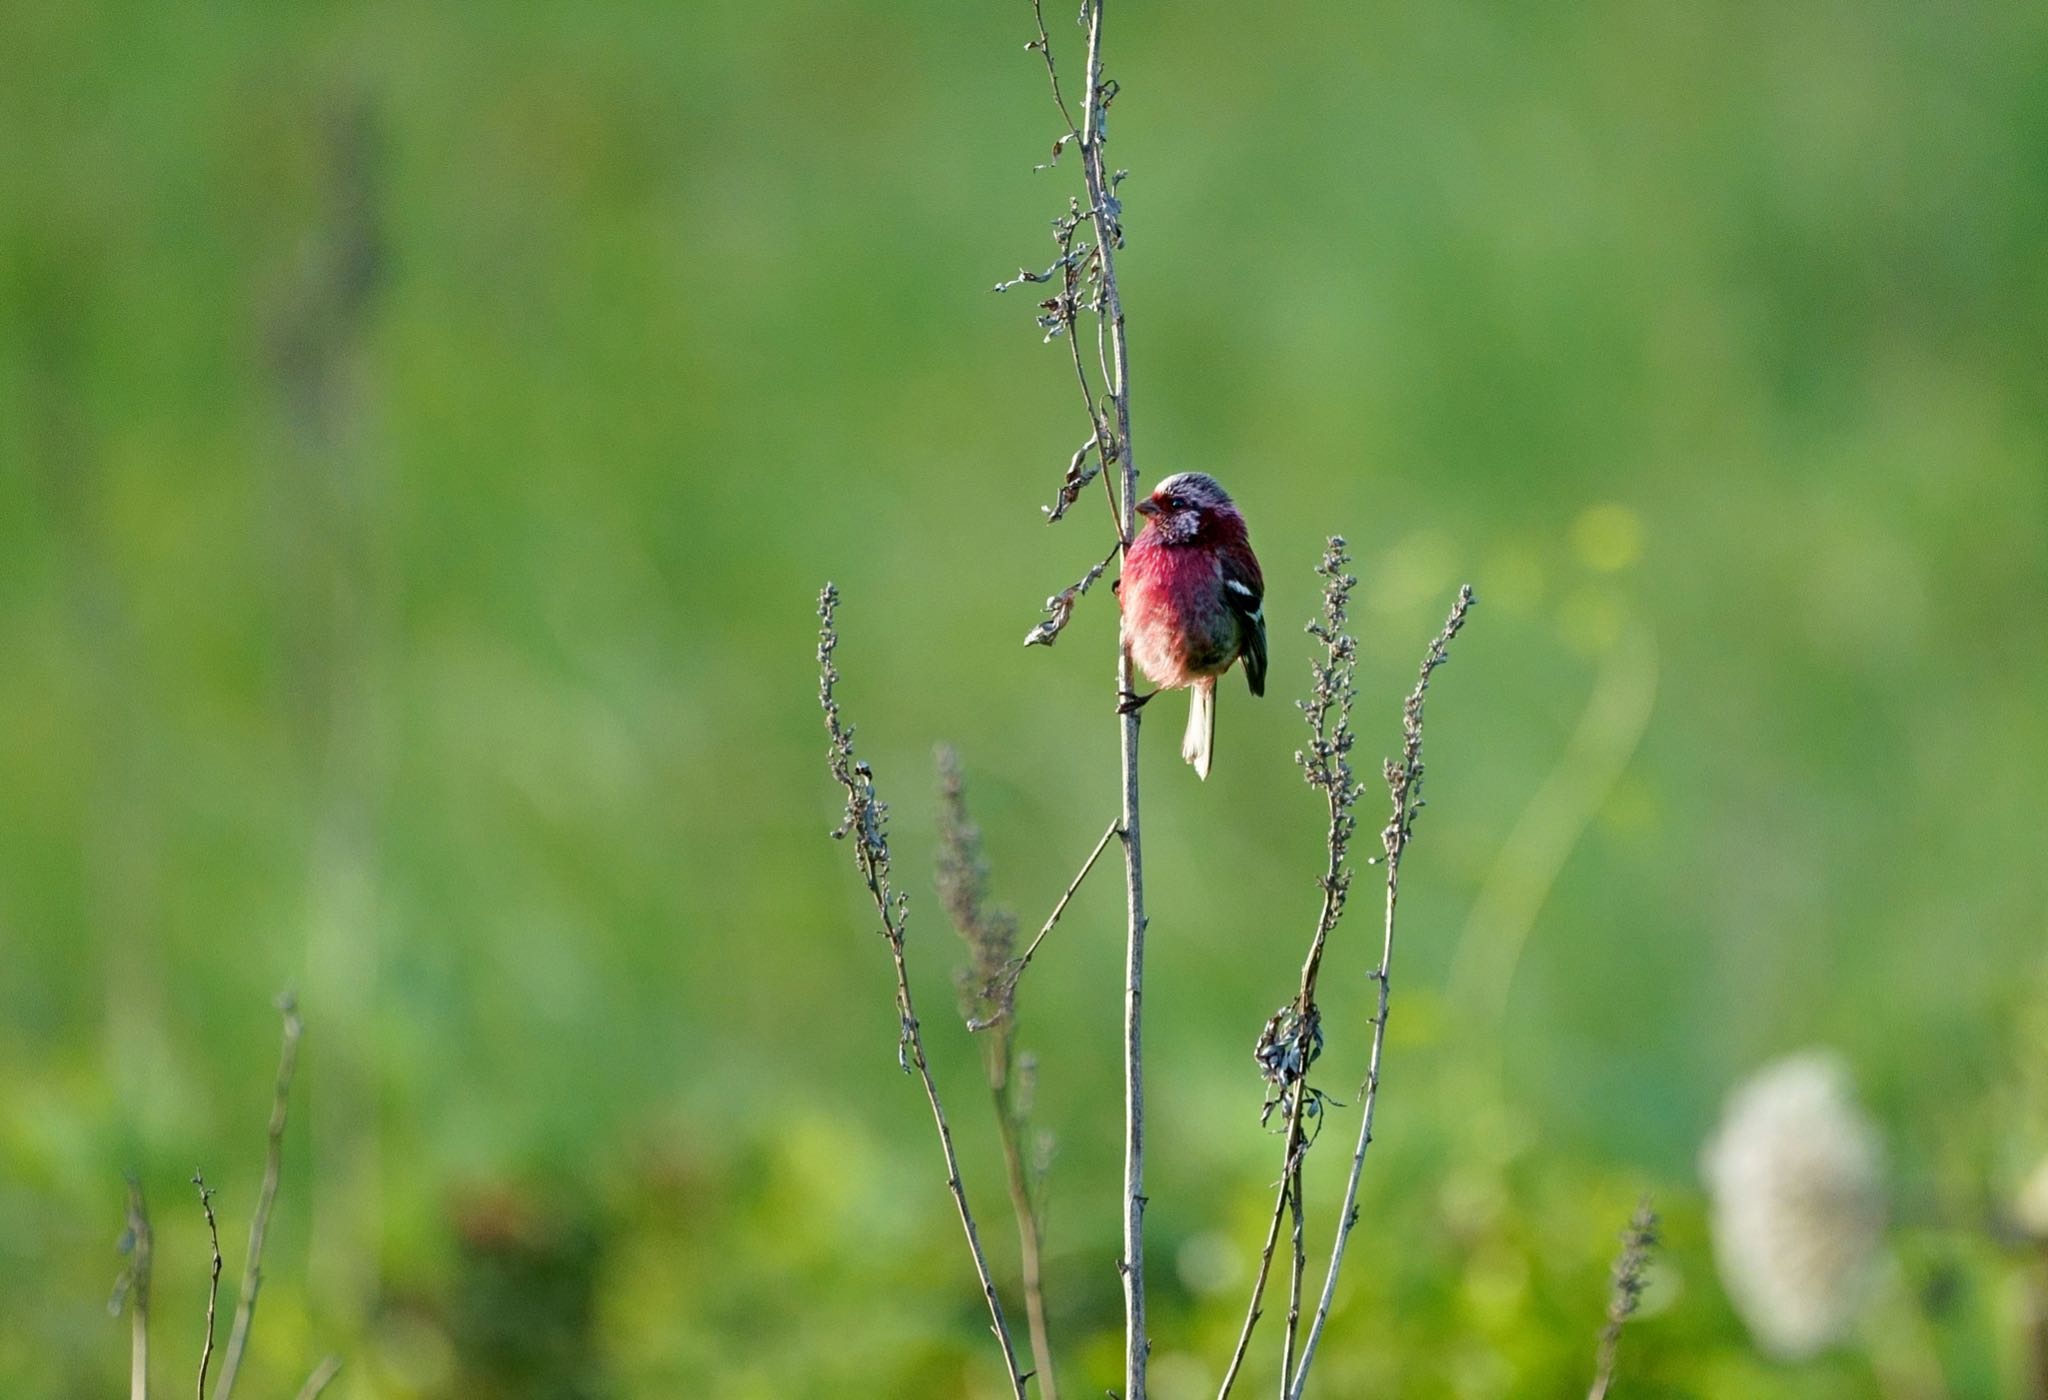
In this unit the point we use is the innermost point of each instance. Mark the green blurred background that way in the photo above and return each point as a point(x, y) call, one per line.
point(424, 430)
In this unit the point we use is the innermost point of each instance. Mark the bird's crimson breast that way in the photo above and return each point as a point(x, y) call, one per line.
point(1175, 619)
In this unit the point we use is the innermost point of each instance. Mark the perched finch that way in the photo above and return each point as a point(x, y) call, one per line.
point(1191, 594)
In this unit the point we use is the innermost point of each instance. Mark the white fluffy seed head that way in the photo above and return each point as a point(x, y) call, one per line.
point(1796, 1175)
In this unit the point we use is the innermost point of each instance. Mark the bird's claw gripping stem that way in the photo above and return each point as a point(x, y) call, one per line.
point(1129, 702)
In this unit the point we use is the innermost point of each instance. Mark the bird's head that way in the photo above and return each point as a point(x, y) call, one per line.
point(1182, 504)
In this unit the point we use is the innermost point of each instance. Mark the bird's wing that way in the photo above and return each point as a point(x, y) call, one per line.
point(1245, 592)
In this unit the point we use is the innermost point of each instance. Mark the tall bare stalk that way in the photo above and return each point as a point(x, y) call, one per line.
point(213, 1281)
point(1085, 275)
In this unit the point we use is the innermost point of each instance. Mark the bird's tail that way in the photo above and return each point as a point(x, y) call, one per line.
point(1200, 743)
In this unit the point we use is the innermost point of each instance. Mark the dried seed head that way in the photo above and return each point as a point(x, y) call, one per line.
point(990, 933)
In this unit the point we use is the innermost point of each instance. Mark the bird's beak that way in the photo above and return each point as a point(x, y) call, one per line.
point(1148, 506)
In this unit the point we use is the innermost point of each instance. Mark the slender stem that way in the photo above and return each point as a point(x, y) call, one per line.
point(259, 1225)
point(1030, 1227)
point(136, 1286)
point(1349, 1217)
point(1297, 1265)
point(1251, 1319)
point(1136, 1344)
point(1051, 72)
point(1113, 443)
point(915, 1041)
point(1335, 884)
point(1069, 308)
point(213, 1286)
point(1016, 969)
point(1404, 787)
point(317, 1382)
point(1292, 1038)
point(1102, 205)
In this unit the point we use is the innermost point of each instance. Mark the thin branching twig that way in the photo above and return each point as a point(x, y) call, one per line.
point(131, 1290)
point(266, 1197)
point(1404, 789)
point(213, 1282)
point(866, 821)
point(988, 987)
point(1630, 1266)
point(1082, 287)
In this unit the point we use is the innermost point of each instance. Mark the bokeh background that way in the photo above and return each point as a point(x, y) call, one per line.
point(424, 431)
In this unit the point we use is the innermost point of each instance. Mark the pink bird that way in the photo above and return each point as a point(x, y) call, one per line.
point(1192, 596)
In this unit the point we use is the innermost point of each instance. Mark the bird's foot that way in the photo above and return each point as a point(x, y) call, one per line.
point(1129, 702)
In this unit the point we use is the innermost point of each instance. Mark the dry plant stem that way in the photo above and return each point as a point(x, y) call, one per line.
point(1017, 970)
point(865, 821)
point(1298, 1264)
point(1290, 1045)
point(1030, 1238)
point(1251, 1320)
point(913, 1041)
point(1629, 1266)
point(259, 1225)
point(1108, 234)
point(1404, 788)
point(1136, 1344)
point(1289, 1195)
point(213, 1284)
point(1089, 136)
point(1110, 423)
point(136, 1287)
point(318, 1381)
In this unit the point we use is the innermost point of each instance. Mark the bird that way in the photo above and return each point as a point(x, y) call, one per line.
point(1192, 598)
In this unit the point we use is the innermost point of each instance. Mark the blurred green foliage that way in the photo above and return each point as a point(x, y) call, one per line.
point(423, 431)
